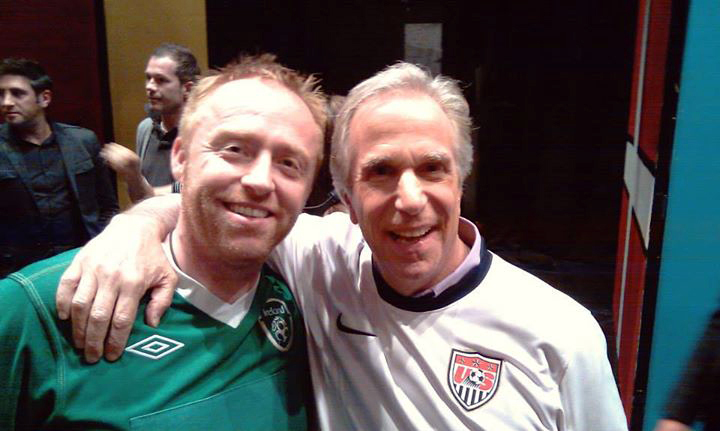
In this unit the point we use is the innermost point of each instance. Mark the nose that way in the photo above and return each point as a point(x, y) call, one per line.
point(6, 99)
point(411, 198)
point(150, 85)
point(257, 180)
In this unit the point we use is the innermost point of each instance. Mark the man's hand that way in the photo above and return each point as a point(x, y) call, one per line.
point(123, 160)
point(102, 287)
point(671, 425)
point(127, 164)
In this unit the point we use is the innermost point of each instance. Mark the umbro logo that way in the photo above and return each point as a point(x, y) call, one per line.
point(155, 347)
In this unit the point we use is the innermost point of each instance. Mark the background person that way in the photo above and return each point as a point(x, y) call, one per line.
point(695, 398)
point(170, 74)
point(56, 192)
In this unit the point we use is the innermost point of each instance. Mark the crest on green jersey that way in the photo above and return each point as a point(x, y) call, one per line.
point(276, 320)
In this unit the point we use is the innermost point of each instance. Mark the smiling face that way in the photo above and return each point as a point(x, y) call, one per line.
point(165, 93)
point(19, 105)
point(405, 189)
point(247, 168)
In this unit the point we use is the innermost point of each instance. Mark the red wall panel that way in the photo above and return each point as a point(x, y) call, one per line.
point(63, 36)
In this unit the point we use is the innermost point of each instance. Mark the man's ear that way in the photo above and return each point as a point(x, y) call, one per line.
point(44, 98)
point(178, 159)
point(187, 87)
point(348, 203)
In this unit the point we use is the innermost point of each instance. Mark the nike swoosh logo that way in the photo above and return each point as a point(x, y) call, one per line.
point(341, 326)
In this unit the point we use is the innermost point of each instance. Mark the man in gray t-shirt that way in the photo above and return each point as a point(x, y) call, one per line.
point(170, 74)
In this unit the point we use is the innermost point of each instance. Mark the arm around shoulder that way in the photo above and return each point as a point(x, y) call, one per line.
point(312, 240)
point(109, 276)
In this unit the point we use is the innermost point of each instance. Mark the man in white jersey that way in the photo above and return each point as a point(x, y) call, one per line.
point(412, 323)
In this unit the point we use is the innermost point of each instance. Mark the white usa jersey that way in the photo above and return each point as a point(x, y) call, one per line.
point(499, 350)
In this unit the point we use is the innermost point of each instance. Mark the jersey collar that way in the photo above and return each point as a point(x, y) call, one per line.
point(462, 281)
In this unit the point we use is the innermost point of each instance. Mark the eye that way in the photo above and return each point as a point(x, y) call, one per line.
point(290, 163)
point(379, 170)
point(290, 166)
point(433, 169)
point(235, 150)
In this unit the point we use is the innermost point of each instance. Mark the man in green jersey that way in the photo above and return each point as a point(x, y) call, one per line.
point(231, 351)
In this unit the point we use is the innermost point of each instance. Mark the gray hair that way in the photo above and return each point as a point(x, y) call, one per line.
point(402, 76)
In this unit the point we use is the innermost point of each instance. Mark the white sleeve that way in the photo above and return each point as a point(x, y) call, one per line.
point(589, 394)
point(315, 246)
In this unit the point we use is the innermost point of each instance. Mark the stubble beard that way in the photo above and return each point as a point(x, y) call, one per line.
point(24, 123)
point(215, 239)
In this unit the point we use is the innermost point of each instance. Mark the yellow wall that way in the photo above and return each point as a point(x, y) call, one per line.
point(134, 28)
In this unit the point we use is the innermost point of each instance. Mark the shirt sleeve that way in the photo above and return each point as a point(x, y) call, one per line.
point(315, 247)
point(22, 377)
point(589, 394)
point(141, 137)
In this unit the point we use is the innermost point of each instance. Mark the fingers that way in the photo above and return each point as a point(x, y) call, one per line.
point(68, 283)
point(160, 300)
point(126, 311)
point(101, 288)
point(122, 323)
point(98, 322)
point(111, 158)
point(121, 159)
point(109, 152)
point(80, 308)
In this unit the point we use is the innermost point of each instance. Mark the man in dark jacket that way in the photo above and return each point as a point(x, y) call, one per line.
point(695, 397)
point(55, 192)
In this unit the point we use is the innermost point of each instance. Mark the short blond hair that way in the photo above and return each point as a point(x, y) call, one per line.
point(258, 66)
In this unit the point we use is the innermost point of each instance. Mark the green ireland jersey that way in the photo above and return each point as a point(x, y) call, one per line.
point(193, 372)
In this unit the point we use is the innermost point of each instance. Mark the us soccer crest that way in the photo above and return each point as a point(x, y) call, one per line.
point(276, 320)
point(473, 378)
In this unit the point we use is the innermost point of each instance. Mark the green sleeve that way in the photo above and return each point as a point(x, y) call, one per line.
point(27, 361)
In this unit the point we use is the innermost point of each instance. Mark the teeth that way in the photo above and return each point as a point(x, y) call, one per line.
point(413, 233)
point(248, 212)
